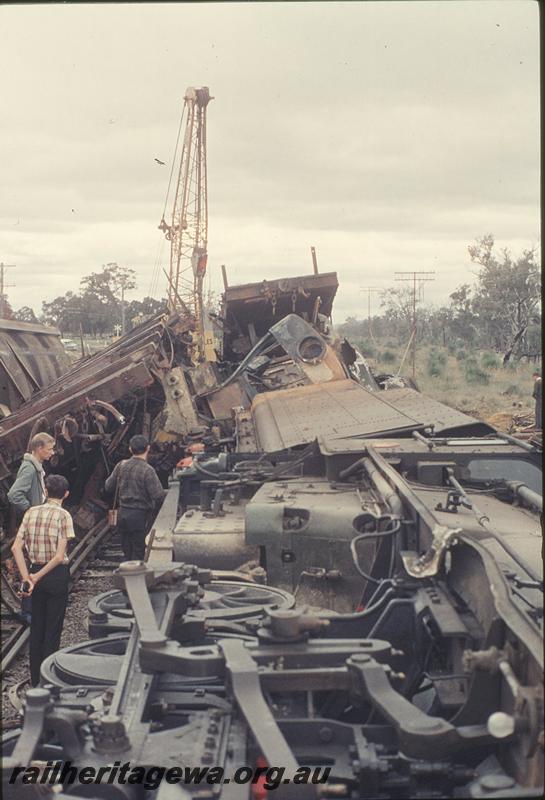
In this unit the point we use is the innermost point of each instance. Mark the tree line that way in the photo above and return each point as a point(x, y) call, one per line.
point(97, 307)
point(500, 311)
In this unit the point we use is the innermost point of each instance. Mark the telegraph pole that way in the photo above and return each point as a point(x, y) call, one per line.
point(421, 276)
point(4, 285)
point(370, 289)
point(314, 260)
point(123, 282)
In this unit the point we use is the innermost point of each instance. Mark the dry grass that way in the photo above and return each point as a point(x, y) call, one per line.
point(509, 390)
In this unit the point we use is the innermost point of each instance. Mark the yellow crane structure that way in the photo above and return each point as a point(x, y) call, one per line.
point(188, 230)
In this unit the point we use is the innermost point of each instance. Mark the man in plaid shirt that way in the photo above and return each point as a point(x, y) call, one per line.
point(44, 533)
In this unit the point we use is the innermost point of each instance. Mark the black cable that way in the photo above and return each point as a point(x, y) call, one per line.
point(372, 535)
point(370, 609)
point(214, 475)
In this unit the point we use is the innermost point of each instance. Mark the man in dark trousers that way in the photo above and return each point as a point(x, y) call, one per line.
point(140, 495)
point(536, 394)
point(44, 533)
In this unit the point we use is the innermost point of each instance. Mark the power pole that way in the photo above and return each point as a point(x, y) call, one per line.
point(370, 289)
point(123, 282)
point(314, 260)
point(3, 286)
point(421, 276)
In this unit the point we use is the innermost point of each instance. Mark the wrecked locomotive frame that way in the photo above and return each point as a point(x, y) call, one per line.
point(136, 384)
point(387, 619)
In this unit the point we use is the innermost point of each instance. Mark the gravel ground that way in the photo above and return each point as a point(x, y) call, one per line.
point(82, 589)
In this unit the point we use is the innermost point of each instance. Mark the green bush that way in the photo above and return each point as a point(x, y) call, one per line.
point(437, 361)
point(490, 361)
point(511, 366)
point(441, 357)
point(461, 355)
point(475, 374)
point(388, 357)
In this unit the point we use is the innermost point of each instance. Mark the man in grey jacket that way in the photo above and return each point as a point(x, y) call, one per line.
point(28, 488)
point(140, 496)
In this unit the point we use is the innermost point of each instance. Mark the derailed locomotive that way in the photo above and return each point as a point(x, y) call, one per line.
point(340, 577)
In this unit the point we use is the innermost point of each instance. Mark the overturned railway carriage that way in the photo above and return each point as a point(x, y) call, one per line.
point(341, 578)
point(31, 357)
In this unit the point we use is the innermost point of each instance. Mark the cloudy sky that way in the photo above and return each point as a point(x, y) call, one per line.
point(388, 135)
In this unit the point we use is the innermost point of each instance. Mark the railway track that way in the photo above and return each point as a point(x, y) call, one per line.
point(15, 634)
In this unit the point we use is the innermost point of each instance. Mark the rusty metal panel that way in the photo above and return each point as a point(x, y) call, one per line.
point(13, 374)
point(324, 284)
point(337, 409)
point(245, 432)
point(181, 416)
point(224, 400)
point(31, 357)
point(15, 430)
point(251, 309)
point(429, 411)
point(128, 366)
point(204, 377)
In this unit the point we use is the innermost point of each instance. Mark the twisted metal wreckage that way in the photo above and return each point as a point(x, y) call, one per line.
point(339, 576)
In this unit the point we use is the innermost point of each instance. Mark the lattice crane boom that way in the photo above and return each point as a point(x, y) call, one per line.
point(188, 231)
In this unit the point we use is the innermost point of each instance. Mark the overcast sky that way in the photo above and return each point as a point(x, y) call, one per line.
point(388, 135)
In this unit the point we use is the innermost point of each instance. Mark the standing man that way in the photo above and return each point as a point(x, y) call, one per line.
point(536, 394)
point(44, 533)
point(140, 494)
point(28, 488)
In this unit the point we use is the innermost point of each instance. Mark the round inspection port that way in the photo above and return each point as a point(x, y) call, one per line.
point(311, 349)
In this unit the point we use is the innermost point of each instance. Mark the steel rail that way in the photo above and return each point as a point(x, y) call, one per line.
point(77, 557)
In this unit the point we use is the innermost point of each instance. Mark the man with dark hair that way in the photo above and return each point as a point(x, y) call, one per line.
point(140, 494)
point(138, 445)
point(44, 533)
point(536, 394)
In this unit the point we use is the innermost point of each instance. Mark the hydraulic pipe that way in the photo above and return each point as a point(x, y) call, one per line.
point(525, 493)
point(513, 440)
point(501, 540)
point(419, 438)
point(381, 484)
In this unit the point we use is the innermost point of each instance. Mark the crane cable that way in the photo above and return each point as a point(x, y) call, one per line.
point(174, 157)
point(157, 264)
